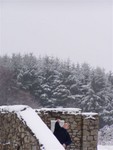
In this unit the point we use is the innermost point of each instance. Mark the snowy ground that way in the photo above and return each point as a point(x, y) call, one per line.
point(105, 147)
point(105, 138)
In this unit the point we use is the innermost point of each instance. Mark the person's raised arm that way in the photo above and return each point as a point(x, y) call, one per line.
point(57, 125)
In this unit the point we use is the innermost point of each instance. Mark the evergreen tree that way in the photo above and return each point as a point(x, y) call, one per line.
point(50, 82)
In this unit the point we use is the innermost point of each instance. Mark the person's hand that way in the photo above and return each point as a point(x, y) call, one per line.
point(58, 120)
point(64, 145)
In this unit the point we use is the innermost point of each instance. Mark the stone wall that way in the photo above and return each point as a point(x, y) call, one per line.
point(15, 135)
point(83, 127)
point(89, 132)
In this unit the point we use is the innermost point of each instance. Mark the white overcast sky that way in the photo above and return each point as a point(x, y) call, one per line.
point(77, 29)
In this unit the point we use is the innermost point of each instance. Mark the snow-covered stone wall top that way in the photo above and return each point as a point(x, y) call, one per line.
point(13, 108)
point(63, 110)
point(89, 115)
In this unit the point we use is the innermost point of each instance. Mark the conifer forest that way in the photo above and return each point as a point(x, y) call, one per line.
point(51, 82)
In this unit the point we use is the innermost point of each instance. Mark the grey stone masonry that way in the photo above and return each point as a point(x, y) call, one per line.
point(83, 127)
point(89, 131)
point(15, 135)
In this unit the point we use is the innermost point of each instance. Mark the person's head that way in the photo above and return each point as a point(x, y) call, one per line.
point(66, 126)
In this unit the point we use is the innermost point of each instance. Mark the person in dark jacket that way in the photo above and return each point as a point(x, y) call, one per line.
point(61, 133)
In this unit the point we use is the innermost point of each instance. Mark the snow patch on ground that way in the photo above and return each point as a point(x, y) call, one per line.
point(105, 147)
point(105, 136)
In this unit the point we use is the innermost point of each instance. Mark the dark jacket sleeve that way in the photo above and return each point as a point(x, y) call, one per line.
point(68, 139)
point(57, 126)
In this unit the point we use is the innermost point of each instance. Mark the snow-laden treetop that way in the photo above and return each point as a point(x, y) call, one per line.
point(37, 126)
